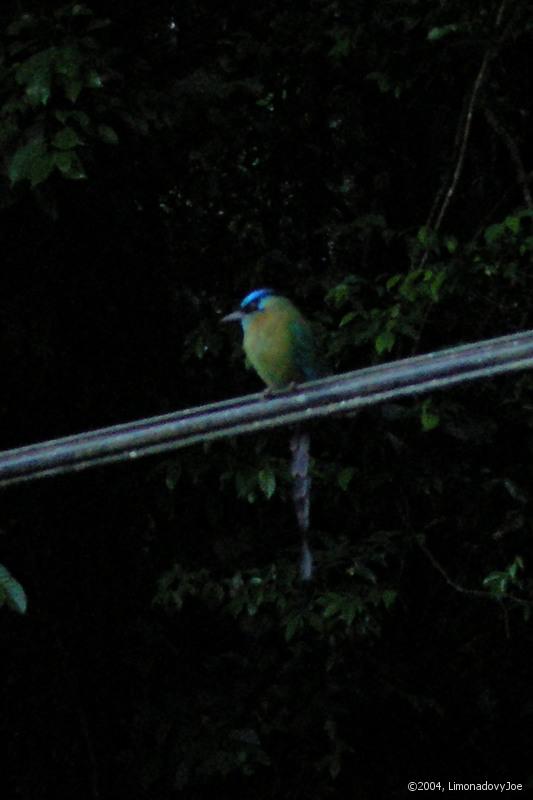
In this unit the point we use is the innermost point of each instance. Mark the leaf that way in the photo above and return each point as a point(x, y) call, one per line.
point(341, 48)
point(392, 282)
point(93, 80)
point(370, 222)
point(385, 342)
point(332, 604)
point(64, 116)
point(493, 233)
point(265, 102)
point(36, 75)
point(67, 61)
point(81, 10)
point(267, 482)
point(515, 491)
point(63, 161)
point(428, 238)
point(293, 625)
point(66, 139)
point(436, 281)
point(82, 118)
point(496, 581)
point(31, 162)
point(12, 592)
point(107, 134)
point(428, 416)
point(73, 88)
point(347, 318)
point(69, 164)
point(338, 294)
point(41, 168)
point(344, 477)
point(438, 33)
point(382, 80)
point(512, 223)
point(172, 476)
point(389, 597)
point(245, 482)
point(25, 21)
point(97, 24)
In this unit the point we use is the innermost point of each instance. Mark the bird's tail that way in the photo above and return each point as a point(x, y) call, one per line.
point(301, 494)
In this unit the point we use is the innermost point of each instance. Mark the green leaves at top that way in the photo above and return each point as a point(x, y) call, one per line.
point(36, 160)
point(64, 66)
point(33, 162)
point(35, 74)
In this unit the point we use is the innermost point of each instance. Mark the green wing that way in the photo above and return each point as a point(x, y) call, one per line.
point(303, 348)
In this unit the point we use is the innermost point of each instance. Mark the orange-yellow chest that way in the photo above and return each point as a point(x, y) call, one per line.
point(269, 346)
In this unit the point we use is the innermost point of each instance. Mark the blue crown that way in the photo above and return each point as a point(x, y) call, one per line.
point(256, 296)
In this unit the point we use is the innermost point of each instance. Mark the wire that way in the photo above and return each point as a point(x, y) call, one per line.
point(337, 394)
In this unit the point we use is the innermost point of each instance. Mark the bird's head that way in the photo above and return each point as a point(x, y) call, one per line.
point(254, 303)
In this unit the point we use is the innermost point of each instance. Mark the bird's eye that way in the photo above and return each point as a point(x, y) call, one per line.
point(249, 307)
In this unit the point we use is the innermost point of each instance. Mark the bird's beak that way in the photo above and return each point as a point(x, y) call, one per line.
point(235, 316)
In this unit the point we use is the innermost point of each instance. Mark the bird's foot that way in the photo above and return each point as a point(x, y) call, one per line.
point(270, 391)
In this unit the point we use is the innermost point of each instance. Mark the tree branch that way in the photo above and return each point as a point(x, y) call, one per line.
point(444, 196)
point(481, 593)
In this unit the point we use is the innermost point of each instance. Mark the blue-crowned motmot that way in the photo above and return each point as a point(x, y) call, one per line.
point(278, 343)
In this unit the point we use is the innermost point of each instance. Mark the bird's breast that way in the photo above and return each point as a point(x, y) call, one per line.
point(269, 347)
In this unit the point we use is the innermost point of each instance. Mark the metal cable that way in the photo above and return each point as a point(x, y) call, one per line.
point(337, 394)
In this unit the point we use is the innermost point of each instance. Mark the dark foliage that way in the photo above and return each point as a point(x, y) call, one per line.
point(159, 161)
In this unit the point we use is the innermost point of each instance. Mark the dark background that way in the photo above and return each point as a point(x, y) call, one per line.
point(372, 160)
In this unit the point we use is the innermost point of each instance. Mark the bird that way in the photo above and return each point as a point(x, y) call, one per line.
point(279, 344)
